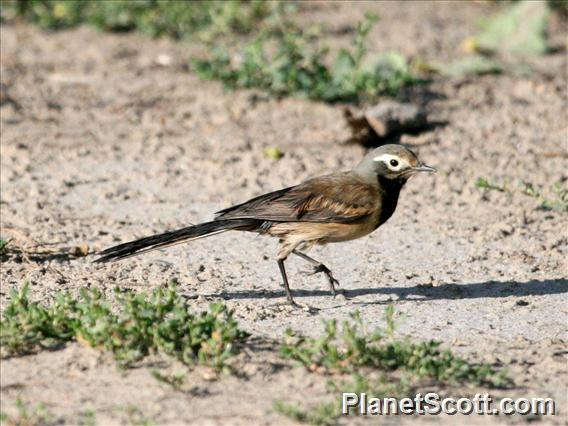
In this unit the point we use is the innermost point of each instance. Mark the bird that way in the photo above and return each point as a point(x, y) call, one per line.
point(332, 208)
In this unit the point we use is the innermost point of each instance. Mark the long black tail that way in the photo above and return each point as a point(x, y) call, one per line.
point(189, 233)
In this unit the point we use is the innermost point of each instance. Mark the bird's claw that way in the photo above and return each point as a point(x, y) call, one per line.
point(330, 278)
point(322, 268)
point(319, 269)
point(315, 270)
point(307, 308)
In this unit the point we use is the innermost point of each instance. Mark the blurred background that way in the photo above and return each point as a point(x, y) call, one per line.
point(124, 118)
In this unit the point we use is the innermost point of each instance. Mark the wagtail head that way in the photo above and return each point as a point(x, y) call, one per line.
point(393, 162)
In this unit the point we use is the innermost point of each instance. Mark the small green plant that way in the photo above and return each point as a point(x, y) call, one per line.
point(519, 29)
point(376, 364)
point(506, 38)
point(557, 202)
point(144, 323)
point(349, 350)
point(299, 66)
point(89, 418)
point(485, 184)
point(26, 326)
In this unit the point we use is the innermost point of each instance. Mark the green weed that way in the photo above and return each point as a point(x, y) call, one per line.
point(296, 65)
point(173, 18)
point(89, 418)
point(26, 325)
point(485, 184)
point(299, 66)
point(518, 29)
point(143, 323)
point(349, 349)
point(556, 201)
point(377, 364)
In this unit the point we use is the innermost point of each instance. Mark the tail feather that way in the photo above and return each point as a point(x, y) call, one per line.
point(169, 238)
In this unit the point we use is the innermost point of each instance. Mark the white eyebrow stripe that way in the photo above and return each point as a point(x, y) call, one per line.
point(385, 157)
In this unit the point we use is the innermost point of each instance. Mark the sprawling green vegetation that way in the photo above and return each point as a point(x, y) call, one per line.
point(173, 18)
point(138, 324)
point(299, 65)
point(555, 199)
point(282, 59)
point(518, 29)
point(378, 364)
point(143, 323)
point(349, 349)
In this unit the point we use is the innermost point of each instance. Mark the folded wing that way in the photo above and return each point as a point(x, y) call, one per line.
point(339, 198)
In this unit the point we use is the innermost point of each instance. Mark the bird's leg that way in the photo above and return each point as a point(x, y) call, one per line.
point(285, 281)
point(291, 301)
point(320, 267)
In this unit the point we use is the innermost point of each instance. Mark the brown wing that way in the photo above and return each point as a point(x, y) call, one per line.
point(339, 197)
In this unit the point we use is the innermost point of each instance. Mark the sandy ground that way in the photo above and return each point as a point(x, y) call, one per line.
point(102, 144)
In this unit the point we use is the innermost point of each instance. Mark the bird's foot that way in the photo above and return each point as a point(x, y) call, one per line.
point(307, 308)
point(321, 268)
point(341, 293)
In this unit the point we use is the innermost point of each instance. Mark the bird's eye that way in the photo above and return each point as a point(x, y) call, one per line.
point(393, 163)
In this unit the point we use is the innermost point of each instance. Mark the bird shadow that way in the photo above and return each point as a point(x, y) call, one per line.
point(420, 293)
point(20, 255)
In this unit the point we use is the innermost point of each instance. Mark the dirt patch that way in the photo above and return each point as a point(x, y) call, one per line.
point(101, 143)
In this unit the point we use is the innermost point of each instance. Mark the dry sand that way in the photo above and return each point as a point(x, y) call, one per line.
point(102, 144)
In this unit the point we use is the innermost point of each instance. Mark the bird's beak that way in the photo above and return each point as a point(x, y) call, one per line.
point(424, 168)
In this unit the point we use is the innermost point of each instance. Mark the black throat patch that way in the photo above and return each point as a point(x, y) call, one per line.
point(390, 190)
